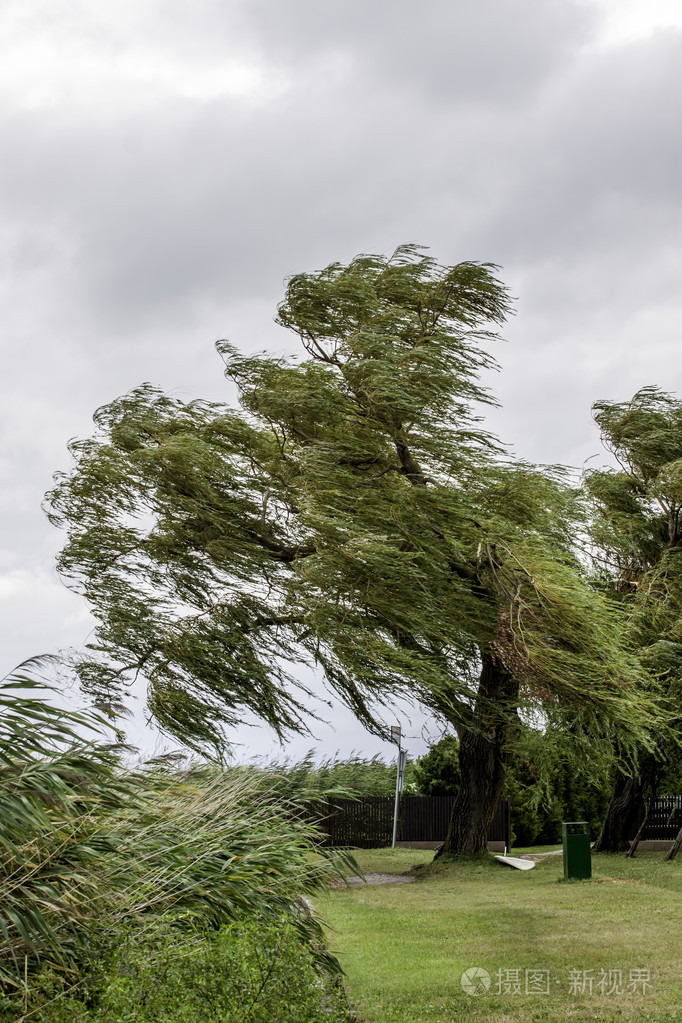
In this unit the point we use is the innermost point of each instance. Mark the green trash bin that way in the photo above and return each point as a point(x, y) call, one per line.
point(575, 837)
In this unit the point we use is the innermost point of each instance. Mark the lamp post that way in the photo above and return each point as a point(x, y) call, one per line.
point(396, 736)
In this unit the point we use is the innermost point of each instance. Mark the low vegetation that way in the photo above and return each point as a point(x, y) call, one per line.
point(405, 947)
point(178, 892)
point(245, 972)
point(153, 893)
point(352, 776)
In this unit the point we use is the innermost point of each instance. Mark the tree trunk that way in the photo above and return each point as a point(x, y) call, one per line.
point(484, 752)
point(636, 840)
point(627, 803)
point(675, 846)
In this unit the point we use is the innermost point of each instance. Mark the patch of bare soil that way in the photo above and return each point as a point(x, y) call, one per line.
point(376, 879)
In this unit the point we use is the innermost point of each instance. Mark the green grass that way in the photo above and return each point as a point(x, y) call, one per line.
point(405, 947)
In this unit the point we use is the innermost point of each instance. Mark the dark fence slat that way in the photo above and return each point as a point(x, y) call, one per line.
point(367, 823)
point(664, 820)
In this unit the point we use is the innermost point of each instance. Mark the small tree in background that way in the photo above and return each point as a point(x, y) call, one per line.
point(548, 781)
point(352, 514)
point(437, 773)
point(637, 531)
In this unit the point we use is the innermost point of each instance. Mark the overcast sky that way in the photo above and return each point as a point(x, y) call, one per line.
point(167, 164)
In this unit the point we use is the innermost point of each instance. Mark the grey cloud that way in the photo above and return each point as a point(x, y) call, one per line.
point(182, 201)
point(135, 235)
point(490, 51)
point(600, 162)
point(174, 202)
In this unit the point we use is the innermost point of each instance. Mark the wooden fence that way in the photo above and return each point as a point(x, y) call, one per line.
point(367, 823)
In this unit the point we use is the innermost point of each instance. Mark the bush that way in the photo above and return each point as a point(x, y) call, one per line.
point(88, 849)
point(247, 972)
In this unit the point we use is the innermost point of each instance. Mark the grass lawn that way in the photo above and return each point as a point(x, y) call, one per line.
point(405, 947)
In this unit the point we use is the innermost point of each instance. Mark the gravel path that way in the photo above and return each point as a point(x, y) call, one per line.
point(408, 879)
point(377, 879)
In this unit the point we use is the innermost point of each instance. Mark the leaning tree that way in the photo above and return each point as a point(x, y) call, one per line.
point(351, 513)
point(636, 528)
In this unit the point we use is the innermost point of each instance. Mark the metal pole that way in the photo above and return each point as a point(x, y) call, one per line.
point(402, 757)
point(395, 805)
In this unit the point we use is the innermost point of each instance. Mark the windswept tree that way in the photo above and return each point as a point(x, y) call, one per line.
point(351, 513)
point(637, 531)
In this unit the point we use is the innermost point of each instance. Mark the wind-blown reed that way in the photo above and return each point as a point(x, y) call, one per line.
point(87, 847)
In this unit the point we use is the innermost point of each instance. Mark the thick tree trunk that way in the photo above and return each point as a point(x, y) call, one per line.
point(627, 803)
point(484, 752)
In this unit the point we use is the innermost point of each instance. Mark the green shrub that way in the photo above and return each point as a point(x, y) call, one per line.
point(88, 849)
point(247, 972)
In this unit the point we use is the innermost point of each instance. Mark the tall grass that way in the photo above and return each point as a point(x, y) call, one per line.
point(353, 776)
point(88, 849)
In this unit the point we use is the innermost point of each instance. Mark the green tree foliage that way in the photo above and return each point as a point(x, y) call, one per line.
point(545, 782)
point(354, 514)
point(637, 531)
point(437, 773)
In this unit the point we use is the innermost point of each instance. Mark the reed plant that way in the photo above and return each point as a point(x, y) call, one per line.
point(349, 777)
point(90, 849)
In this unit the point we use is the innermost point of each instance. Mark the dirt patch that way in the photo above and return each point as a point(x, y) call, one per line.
point(376, 879)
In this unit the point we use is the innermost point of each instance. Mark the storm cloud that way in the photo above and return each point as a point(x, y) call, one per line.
point(166, 165)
